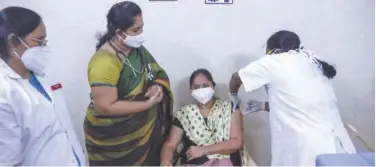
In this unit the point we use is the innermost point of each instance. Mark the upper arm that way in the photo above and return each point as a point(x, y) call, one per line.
point(103, 74)
point(257, 73)
point(236, 127)
point(10, 132)
point(174, 137)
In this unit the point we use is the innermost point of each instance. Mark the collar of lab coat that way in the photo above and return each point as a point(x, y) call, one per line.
point(9, 72)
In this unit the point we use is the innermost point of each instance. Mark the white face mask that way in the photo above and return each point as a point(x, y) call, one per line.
point(35, 58)
point(134, 41)
point(203, 95)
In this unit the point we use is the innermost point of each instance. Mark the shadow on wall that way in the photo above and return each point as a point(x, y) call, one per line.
point(256, 125)
point(241, 60)
point(221, 91)
point(257, 137)
point(182, 93)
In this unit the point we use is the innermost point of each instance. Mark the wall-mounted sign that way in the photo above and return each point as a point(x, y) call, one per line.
point(219, 1)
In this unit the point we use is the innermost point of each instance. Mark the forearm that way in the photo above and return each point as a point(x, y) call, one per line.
point(121, 107)
point(167, 154)
point(235, 83)
point(226, 147)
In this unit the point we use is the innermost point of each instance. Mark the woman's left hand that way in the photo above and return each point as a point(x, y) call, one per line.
point(152, 90)
point(195, 152)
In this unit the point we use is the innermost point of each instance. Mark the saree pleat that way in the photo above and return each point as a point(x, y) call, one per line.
point(130, 139)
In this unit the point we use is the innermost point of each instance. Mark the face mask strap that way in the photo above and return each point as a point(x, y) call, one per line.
point(23, 42)
point(274, 51)
point(121, 38)
point(132, 41)
point(18, 56)
point(134, 36)
point(269, 52)
point(118, 34)
point(126, 35)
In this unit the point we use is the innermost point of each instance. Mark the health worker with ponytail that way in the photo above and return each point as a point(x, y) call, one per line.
point(304, 118)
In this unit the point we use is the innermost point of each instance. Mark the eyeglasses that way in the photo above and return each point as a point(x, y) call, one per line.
point(41, 42)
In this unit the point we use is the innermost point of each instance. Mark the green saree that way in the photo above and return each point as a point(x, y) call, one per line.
point(129, 140)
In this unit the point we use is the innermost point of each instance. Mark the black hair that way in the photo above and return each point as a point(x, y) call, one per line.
point(18, 21)
point(203, 72)
point(121, 16)
point(284, 41)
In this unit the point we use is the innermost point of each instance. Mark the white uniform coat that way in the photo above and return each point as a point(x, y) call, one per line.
point(304, 117)
point(33, 130)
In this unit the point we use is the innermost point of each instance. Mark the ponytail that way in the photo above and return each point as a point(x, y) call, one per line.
point(328, 70)
point(121, 16)
point(102, 39)
point(284, 41)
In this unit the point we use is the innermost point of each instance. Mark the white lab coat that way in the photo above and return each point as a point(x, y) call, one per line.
point(304, 118)
point(33, 130)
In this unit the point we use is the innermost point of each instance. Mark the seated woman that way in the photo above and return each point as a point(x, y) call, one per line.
point(210, 129)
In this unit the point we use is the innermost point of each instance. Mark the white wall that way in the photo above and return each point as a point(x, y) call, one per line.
point(188, 34)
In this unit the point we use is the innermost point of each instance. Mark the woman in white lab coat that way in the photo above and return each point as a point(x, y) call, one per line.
point(304, 117)
point(35, 126)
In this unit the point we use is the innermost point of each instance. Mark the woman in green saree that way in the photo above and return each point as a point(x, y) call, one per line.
point(131, 100)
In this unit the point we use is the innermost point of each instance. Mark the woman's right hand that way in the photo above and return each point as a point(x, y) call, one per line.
point(156, 98)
